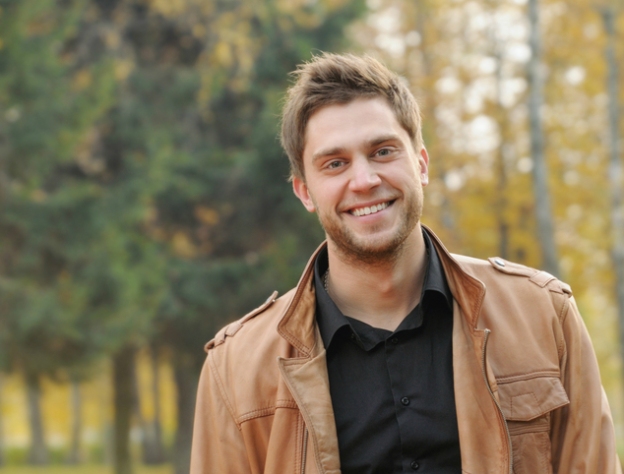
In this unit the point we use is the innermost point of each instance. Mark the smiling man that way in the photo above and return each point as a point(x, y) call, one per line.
point(392, 355)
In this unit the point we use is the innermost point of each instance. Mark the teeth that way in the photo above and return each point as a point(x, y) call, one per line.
point(365, 211)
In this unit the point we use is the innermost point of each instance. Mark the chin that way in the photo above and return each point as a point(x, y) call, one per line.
point(370, 250)
point(378, 247)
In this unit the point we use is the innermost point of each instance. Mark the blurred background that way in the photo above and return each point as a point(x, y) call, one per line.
point(144, 200)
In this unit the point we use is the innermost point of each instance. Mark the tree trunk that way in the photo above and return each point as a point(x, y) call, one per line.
point(615, 171)
point(138, 413)
point(76, 428)
point(543, 209)
point(38, 453)
point(157, 451)
point(429, 102)
point(1, 425)
point(107, 425)
point(123, 385)
point(186, 376)
point(501, 202)
point(151, 446)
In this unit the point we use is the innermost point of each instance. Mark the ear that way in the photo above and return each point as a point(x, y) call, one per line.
point(423, 161)
point(301, 191)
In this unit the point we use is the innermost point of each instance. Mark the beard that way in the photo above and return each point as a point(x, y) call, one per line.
point(374, 249)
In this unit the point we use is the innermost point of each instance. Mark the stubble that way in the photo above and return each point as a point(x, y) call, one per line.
point(373, 250)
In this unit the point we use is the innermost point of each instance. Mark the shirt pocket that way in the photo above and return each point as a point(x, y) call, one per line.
point(527, 404)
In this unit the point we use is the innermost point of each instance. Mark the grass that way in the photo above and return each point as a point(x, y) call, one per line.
point(82, 469)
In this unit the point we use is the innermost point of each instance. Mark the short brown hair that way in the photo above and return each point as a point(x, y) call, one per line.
point(331, 79)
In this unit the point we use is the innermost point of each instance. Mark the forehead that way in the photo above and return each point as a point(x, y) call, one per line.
point(349, 125)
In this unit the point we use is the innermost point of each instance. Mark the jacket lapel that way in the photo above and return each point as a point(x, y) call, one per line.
point(306, 376)
point(482, 434)
point(308, 383)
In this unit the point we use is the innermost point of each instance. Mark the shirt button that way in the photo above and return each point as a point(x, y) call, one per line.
point(405, 401)
point(414, 465)
point(394, 340)
point(352, 337)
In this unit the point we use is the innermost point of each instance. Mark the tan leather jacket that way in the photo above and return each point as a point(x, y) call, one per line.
point(527, 386)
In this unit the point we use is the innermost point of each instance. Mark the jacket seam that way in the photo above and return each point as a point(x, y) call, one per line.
point(266, 411)
point(298, 447)
point(563, 316)
point(221, 388)
point(529, 427)
point(530, 376)
point(502, 424)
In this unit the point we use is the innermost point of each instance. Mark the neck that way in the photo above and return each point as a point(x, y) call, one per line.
point(382, 293)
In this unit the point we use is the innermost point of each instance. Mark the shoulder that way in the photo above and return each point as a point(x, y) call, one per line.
point(499, 270)
point(261, 321)
point(528, 287)
point(241, 362)
point(231, 329)
point(525, 309)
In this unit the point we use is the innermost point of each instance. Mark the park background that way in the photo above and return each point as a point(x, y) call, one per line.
point(144, 199)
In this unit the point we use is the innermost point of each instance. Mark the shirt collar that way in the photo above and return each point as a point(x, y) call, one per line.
point(330, 319)
point(435, 279)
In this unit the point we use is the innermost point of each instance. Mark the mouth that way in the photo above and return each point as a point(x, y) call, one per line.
point(367, 210)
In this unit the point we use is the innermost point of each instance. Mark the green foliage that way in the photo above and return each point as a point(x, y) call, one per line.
point(221, 205)
point(49, 104)
point(144, 190)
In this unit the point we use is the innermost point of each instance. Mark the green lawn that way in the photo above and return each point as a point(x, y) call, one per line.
point(166, 469)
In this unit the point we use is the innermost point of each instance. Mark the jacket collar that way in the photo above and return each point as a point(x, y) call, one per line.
point(297, 324)
point(467, 290)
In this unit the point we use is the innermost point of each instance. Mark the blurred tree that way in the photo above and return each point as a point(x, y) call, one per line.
point(2, 423)
point(457, 57)
point(153, 449)
point(543, 208)
point(496, 52)
point(49, 102)
point(188, 158)
point(74, 455)
point(223, 209)
point(467, 63)
point(615, 166)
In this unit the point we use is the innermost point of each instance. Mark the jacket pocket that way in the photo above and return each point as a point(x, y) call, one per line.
point(527, 403)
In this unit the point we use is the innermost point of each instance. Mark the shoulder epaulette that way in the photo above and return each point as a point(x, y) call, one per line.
point(233, 328)
point(538, 277)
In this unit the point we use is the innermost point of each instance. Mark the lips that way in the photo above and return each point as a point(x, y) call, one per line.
point(367, 210)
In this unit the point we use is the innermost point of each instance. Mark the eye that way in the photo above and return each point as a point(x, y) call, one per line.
point(384, 152)
point(334, 164)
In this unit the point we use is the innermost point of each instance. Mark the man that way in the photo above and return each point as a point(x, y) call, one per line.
point(391, 355)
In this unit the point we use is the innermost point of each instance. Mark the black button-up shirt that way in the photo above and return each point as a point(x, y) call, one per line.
point(392, 392)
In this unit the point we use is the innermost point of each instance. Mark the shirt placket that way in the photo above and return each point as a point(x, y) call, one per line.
point(405, 393)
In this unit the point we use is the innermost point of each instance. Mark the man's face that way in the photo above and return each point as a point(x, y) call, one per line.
point(363, 178)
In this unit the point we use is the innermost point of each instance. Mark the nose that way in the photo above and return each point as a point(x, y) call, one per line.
point(364, 175)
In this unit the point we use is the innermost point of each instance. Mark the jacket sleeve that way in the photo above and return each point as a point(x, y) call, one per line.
point(583, 438)
point(218, 445)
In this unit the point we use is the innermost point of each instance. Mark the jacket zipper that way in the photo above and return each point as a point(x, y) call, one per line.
point(487, 383)
point(305, 450)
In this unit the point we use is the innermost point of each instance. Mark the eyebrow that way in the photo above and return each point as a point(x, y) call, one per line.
point(369, 144)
